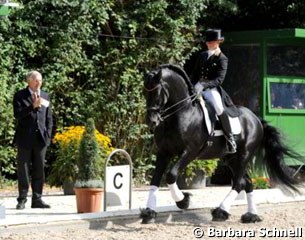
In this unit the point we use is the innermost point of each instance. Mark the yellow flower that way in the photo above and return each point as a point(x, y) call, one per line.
point(67, 153)
point(72, 135)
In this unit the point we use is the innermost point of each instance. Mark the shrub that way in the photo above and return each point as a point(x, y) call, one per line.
point(88, 157)
point(67, 146)
point(207, 166)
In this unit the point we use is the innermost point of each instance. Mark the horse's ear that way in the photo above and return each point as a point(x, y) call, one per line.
point(148, 76)
point(153, 77)
point(159, 75)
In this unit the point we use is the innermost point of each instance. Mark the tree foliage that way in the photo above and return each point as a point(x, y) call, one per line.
point(236, 15)
point(92, 55)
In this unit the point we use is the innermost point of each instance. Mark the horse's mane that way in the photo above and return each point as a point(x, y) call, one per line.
point(182, 73)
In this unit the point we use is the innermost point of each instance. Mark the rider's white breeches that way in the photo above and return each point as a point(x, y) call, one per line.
point(213, 96)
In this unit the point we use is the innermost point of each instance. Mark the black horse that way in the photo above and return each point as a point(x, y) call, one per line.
point(175, 116)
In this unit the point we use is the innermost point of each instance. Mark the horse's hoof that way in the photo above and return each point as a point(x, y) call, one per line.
point(219, 215)
point(148, 215)
point(185, 202)
point(250, 218)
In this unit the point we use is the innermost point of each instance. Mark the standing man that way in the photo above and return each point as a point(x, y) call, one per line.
point(33, 114)
point(208, 75)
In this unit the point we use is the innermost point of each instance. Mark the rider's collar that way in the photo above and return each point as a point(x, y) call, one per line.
point(214, 52)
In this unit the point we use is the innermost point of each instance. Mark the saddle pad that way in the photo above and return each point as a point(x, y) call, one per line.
point(235, 123)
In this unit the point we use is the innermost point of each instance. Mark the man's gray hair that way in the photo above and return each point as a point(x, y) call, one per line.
point(31, 74)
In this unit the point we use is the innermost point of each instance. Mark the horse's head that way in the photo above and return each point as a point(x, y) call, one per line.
point(167, 91)
point(156, 97)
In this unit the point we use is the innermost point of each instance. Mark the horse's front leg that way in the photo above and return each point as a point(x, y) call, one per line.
point(149, 214)
point(182, 199)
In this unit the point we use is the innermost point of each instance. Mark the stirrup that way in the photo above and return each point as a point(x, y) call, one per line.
point(231, 145)
point(231, 148)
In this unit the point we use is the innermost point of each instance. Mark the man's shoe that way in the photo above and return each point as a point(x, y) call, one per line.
point(39, 204)
point(21, 204)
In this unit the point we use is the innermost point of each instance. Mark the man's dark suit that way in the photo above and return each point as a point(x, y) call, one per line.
point(32, 136)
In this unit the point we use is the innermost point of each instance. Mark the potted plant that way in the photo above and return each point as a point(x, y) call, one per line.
point(196, 172)
point(64, 170)
point(89, 183)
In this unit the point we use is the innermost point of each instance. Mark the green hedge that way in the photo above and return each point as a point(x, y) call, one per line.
point(92, 55)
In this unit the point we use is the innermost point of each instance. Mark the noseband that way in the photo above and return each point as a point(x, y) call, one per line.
point(152, 89)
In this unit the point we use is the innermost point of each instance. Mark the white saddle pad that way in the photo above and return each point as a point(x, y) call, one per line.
point(235, 123)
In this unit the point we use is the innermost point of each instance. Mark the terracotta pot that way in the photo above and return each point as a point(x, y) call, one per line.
point(88, 199)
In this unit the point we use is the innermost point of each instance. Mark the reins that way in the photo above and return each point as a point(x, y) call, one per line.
point(163, 112)
point(193, 98)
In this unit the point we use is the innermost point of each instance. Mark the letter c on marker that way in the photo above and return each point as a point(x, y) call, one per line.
point(114, 180)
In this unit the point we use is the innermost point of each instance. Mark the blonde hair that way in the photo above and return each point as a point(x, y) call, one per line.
point(31, 74)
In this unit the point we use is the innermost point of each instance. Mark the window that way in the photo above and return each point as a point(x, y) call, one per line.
point(286, 60)
point(242, 80)
point(286, 94)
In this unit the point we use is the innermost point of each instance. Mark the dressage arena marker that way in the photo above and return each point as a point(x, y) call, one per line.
point(2, 212)
point(118, 182)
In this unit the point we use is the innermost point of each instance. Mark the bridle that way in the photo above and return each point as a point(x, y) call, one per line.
point(165, 113)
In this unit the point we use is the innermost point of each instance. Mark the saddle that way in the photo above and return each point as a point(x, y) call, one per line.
point(212, 122)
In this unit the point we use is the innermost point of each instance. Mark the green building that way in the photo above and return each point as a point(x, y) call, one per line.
point(267, 74)
point(5, 6)
point(4, 10)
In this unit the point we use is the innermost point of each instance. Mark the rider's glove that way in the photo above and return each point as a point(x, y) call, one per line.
point(200, 86)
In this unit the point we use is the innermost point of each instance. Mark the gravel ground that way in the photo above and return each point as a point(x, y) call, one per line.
point(286, 216)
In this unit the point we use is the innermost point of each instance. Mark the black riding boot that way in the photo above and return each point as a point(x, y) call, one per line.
point(224, 119)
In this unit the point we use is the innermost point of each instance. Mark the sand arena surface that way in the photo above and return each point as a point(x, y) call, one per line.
point(181, 225)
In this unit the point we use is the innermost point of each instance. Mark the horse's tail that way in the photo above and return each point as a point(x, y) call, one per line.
point(275, 151)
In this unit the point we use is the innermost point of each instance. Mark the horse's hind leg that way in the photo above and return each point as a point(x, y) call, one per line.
point(222, 212)
point(238, 168)
point(251, 215)
point(241, 181)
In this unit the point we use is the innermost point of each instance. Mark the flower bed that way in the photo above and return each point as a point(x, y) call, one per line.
point(260, 182)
